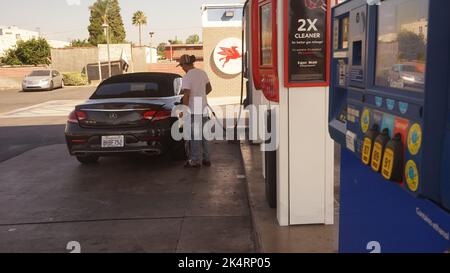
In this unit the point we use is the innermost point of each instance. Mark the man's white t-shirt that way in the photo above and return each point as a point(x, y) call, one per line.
point(196, 81)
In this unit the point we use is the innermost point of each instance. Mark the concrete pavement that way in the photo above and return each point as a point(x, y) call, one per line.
point(133, 204)
point(269, 236)
point(15, 140)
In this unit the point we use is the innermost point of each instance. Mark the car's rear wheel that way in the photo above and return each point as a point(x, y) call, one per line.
point(88, 159)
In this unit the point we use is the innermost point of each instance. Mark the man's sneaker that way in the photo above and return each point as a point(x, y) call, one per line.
point(206, 163)
point(191, 164)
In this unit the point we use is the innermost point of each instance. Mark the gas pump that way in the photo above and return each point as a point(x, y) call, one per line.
point(389, 110)
point(287, 50)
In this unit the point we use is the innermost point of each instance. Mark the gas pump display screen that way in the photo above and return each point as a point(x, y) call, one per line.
point(266, 34)
point(307, 41)
point(402, 43)
point(344, 30)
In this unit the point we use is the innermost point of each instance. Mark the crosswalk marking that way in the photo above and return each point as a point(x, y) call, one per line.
point(55, 108)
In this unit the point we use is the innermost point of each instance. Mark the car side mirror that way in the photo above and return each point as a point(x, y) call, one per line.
point(177, 83)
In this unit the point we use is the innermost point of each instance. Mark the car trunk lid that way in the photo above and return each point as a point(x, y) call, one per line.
point(118, 114)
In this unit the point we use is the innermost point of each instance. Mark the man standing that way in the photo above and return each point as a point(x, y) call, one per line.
point(196, 86)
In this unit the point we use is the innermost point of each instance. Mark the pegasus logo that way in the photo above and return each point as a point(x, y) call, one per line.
point(229, 53)
point(316, 4)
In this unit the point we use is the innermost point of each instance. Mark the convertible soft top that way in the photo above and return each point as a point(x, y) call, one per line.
point(141, 77)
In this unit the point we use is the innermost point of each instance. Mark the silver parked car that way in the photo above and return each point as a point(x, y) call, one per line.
point(406, 76)
point(43, 80)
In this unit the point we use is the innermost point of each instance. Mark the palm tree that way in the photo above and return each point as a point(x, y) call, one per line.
point(139, 19)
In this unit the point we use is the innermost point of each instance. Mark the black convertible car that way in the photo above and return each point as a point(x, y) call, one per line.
point(129, 113)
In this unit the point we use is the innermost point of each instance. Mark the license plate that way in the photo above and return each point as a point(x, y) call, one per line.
point(113, 141)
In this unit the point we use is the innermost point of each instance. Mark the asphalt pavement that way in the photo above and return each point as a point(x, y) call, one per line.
point(14, 99)
point(18, 135)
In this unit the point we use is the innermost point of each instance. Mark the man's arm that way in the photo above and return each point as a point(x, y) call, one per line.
point(208, 88)
point(187, 94)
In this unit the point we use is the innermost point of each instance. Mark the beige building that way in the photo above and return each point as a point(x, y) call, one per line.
point(174, 52)
point(222, 48)
point(418, 27)
point(9, 36)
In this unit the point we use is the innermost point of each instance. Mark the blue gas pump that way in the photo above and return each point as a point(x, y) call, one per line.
point(390, 111)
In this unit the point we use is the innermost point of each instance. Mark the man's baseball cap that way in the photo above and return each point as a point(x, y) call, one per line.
point(185, 59)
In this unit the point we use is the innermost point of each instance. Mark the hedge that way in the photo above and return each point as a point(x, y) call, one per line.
point(75, 79)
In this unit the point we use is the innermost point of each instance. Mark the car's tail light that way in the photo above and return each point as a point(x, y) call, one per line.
point(81, 115)
point(76, 116)
point(157, 115)
point(72, 117)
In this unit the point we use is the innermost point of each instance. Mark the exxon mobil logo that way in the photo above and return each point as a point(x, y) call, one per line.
point(228, 56)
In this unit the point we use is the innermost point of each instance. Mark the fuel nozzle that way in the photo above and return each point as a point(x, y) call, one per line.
point(369, 140)
point(378, 149)
point(393, 160)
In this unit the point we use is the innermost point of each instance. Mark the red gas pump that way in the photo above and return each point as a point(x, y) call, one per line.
point(265, 48)
point(299, 171)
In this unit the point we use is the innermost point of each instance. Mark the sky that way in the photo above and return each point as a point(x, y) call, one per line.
point(66, 20)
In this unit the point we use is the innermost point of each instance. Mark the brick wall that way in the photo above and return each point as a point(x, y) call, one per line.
point(179, 50)
point(16, 72)
point(11, 77)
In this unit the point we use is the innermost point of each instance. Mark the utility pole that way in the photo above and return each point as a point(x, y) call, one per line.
point(106, 28)
point(171, 50)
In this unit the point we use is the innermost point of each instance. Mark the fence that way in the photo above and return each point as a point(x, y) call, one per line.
point(96, 72)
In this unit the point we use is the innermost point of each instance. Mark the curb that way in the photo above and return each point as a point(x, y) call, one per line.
point(256, 233)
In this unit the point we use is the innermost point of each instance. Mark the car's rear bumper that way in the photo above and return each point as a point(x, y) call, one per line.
point(84, 141)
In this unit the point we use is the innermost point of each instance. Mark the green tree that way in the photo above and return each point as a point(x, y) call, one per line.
point(34, 51)
point(161, 49)
point(193, 39)
point(139, 19)
point(80, 43)
point(106, 12)
point(10, 57)
point(175, 41)
point(117, 28)
point(411, 46)
point(31, 52)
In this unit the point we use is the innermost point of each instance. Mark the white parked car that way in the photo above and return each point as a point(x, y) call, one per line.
point(47, 79)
